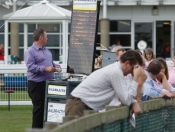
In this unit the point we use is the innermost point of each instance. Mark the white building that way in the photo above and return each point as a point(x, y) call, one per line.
point(128, 20)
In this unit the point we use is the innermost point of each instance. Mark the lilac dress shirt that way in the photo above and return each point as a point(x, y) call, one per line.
point(36, 59)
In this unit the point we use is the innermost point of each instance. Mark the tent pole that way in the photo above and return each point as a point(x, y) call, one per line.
point(6, 43)
point(64, 42)
point(25, 37)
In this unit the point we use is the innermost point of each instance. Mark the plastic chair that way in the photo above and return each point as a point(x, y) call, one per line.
point(14, 59)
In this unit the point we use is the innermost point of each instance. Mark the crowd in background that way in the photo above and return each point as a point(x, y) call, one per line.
point(160, 77)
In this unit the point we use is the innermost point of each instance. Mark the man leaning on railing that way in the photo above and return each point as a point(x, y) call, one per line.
point(103, 85)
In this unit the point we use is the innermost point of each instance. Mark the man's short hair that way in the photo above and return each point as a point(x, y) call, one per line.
point(37, 33)
point(120, 49)
point(132, 56)
point(154, 67)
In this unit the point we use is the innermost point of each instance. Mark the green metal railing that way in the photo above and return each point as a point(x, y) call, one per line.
point(157, 115)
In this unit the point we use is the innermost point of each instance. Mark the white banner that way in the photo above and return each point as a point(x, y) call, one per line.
point(57, 90)
point(55, 112)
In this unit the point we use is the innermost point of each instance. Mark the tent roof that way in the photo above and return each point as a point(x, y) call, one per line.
point(44, 10)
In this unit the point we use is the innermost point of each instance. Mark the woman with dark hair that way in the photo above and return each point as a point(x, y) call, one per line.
point(162, 79)
point(149, 88)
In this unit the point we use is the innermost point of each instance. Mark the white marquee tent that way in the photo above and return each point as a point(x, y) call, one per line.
point(43, 12)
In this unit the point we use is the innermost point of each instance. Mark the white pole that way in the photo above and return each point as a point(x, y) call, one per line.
point(25, 37)
point(6, 43)
point(104, 8)
point(66, 38)
point(64, 42)
point(172, 39)
point(14, 5)
point(154, 37)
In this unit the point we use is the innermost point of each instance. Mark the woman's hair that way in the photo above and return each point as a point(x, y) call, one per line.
point(139, 51)
point(154, 67)
point(149, 51)
point(164, 65)
point(132, 56)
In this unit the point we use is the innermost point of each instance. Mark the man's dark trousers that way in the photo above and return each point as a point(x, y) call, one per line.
point(36, 91)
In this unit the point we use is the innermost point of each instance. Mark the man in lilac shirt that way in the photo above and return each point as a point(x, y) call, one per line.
point(40, 67)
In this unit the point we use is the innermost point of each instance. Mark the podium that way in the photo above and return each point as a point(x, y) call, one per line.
point(80, 58)
point(57, 93)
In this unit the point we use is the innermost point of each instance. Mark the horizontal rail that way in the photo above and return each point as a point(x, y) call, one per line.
point(91, 121)
point(21, 68)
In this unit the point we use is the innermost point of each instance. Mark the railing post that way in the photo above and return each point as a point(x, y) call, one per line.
point(36, 130)
point(69, 118)
point(51, 125)
point(87, 112)
point(110, 107)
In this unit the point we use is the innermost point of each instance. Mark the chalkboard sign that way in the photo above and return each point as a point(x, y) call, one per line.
point(85, 16)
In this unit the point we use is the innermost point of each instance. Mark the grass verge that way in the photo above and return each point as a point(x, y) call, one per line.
point(16, 96)
point(16, 120)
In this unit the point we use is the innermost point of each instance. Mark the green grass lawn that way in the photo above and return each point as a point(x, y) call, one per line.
point(16, 96)
point(16, 120)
